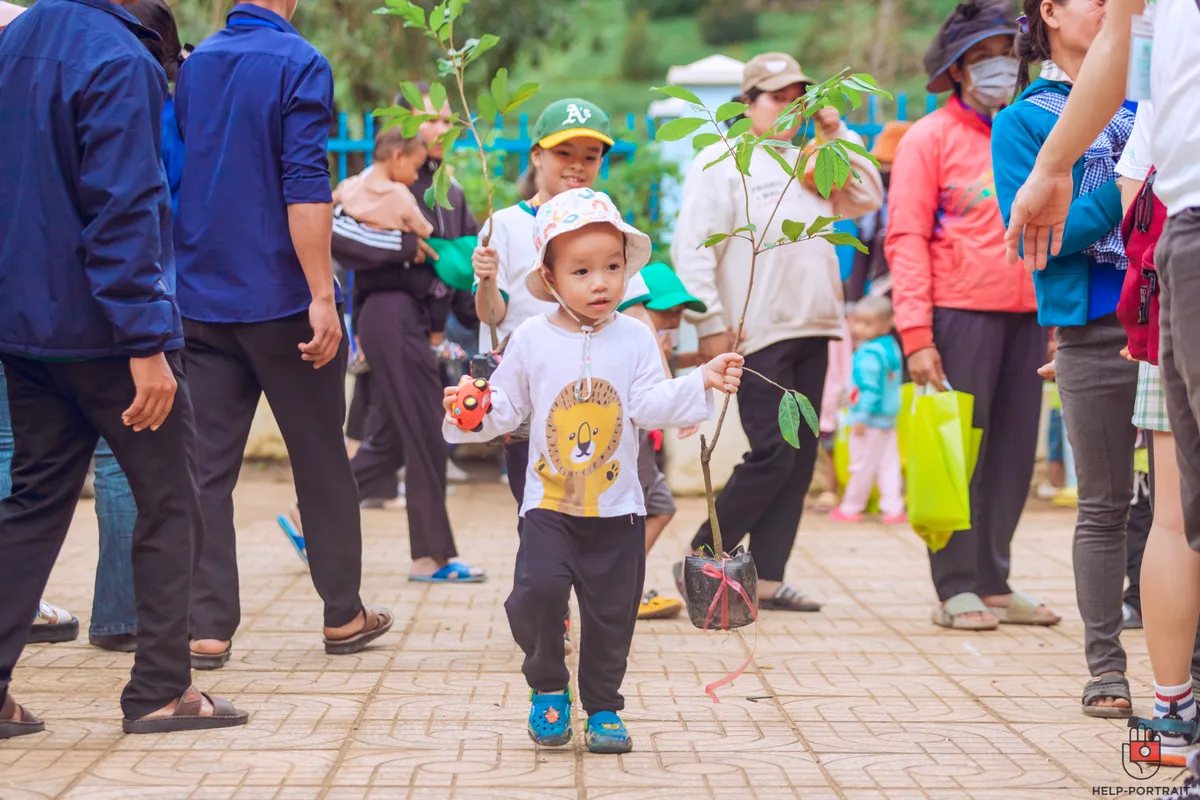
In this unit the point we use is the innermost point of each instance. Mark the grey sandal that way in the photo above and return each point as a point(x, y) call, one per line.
point(207, 661)
point(1115, 686)
point(951, 613)
point(23, 725)
point(788, 598)
point(1023, 610)
point(188, 717)
point(377, 621)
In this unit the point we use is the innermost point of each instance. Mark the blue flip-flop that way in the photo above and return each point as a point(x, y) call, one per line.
point(294, 536)
point(605, 733)
point(550, 718)
point(454, 572)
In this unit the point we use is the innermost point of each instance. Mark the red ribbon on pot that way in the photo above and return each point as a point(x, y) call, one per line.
point(722, 597)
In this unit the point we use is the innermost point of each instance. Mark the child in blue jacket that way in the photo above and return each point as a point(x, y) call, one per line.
point(876, 377)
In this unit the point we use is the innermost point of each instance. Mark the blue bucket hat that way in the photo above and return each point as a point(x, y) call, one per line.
point(967, 26)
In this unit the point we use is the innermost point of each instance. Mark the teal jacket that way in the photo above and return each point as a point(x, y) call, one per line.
point(876, 377)
point(1073, 289)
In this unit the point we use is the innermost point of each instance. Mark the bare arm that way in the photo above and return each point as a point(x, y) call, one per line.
point(311, 226)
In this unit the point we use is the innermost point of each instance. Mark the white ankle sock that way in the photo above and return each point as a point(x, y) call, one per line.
point(1185, 707)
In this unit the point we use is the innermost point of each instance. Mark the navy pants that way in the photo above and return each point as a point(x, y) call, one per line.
point(605, 560)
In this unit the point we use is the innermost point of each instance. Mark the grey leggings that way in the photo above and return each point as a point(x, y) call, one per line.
point(1098, 388)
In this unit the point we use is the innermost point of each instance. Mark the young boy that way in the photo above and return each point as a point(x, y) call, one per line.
point(662, 308)
point(586, 376)
point(379, 196)
point(876, 376)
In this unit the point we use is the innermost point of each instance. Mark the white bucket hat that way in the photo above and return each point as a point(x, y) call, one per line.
point(568, 212)
point(571, 211)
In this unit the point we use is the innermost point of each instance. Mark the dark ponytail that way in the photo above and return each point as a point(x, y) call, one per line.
point(1033, 41)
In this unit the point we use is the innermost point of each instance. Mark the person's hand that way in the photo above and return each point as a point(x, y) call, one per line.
point(155, 395)
point(1039, 214)
point(486, 262)
point(1048, 372)
point(715, 344)
point(829, 122)
point(691, 430)
point(1126, 356)
point(687, 360)
point(925, 366)
point(724, 373)
point(327, 333)
point(664, 344)
point(859, 429)
point(448, 395)
point(425, 253)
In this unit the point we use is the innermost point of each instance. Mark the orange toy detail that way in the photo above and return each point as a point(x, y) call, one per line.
point(472, 403)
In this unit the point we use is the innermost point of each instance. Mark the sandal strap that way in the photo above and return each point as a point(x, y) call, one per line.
point(1116, 686)
point(1188, 728)
point(191, 703)
point(1024, 605)
point(11, 707)
point(965, 603)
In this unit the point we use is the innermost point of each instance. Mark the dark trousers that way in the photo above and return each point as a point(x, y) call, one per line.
point(373, 424)
point(995, 357)
point(516, 461)
point(231, 365)
point(406, 377)
point(59, 412)
point(605, 560)
point(1137, 531)
point(765, 495)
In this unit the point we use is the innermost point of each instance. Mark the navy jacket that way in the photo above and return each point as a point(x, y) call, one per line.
point(254, 104)
point(86, 266)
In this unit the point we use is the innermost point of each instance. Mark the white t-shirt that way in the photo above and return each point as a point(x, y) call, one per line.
point(1175, 87)
point(513, 242)
point(1137, 159)
point(583, 455)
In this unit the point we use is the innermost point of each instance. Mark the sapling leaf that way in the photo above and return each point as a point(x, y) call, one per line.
point(437, 96)
point(411, 126)
point(485, 106)
point(810, 413)
point(779, 159)
point(679, 93)
point(730, 110)
point(841, 237)
point(394, 113)
point(715, 239)
point(500, 88)
point(455, 8)
point(445, 68)
point(792, 230)
point(486, 42)
point(523, 93)
point(836, 100)
point(819, 224)
point(853, 96)
point(449, 138)
point(437, 16)
point(719, 159)
point(738, 128)
point(745, 152)
point(855, 147)
point(703, 140)
point(789, 419)
point(413, 95)
point(825, 171)
point(677, 129)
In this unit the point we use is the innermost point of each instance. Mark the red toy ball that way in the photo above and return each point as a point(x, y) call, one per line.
point(472, 403)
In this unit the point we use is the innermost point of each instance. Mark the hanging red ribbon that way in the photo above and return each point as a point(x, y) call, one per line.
point(722, 597)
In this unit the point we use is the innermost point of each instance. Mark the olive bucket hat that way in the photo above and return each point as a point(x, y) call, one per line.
point(967, 25)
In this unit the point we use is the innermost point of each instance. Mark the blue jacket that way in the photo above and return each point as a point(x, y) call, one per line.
point(86, 265)
point(1073, 289)
point(172, 152)
point(875, 380)
point(254, 104)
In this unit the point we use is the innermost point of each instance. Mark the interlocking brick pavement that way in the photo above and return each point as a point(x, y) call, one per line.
point(865, 701)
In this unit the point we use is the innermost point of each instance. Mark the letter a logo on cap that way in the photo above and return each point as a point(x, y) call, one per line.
point(577, 115)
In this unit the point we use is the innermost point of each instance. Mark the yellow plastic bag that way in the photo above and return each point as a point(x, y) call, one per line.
point(943, 447)
point(907, 392)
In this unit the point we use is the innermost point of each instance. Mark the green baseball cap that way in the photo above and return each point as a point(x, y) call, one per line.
point(667, 291)
point(572, 118)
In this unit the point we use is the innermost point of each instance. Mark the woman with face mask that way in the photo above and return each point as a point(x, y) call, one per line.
point(965, 316)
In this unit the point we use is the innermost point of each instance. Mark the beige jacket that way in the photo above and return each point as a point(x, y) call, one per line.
point(797, 287)
point(376, 201)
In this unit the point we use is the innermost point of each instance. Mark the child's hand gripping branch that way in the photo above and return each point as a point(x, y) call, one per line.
point(724, 373)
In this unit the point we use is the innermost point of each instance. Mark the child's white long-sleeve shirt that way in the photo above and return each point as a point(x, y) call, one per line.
point(583, 453)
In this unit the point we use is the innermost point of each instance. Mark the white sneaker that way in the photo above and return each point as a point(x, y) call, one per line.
point(455, 473)
point(1046, 491)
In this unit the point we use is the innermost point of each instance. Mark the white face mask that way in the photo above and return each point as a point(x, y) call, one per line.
point(994, 80)
point(671, 337)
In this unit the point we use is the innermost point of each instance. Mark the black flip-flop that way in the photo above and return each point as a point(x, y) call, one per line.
point(53, 632)
point(378, 622)
point(24, 725)
point(187, 716)
point(207, 661)
point(788, 598)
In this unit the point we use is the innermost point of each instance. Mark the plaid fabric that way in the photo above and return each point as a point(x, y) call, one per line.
point(1099, 167)
point(1150, 407)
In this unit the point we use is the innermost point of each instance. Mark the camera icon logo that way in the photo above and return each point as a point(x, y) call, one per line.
point(1141, 756)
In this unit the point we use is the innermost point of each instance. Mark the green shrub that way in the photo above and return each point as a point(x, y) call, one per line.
point(727, 22)
point(661, 9)
point(638, 59)
point(635, 187)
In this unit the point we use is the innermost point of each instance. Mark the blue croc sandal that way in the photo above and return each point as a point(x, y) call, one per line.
point(550, 718)
point(606, 733)
point(294, 536)
point(454, 572)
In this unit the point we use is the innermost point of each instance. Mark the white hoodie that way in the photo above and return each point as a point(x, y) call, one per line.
point(797, 287)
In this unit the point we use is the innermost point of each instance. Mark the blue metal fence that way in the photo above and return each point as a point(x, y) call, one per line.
point(636, 127)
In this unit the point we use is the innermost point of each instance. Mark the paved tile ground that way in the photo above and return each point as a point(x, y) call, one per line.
point(865, 701)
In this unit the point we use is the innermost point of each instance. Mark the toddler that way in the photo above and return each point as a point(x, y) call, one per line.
point(587, 377)
point(876, 376)
point(379, 196)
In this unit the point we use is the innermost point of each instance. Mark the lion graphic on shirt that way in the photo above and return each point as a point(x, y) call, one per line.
point(581, 438)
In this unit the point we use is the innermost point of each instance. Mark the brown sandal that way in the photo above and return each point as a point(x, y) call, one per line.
point(378, 622)
point(187, 716)
point(23, 724)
